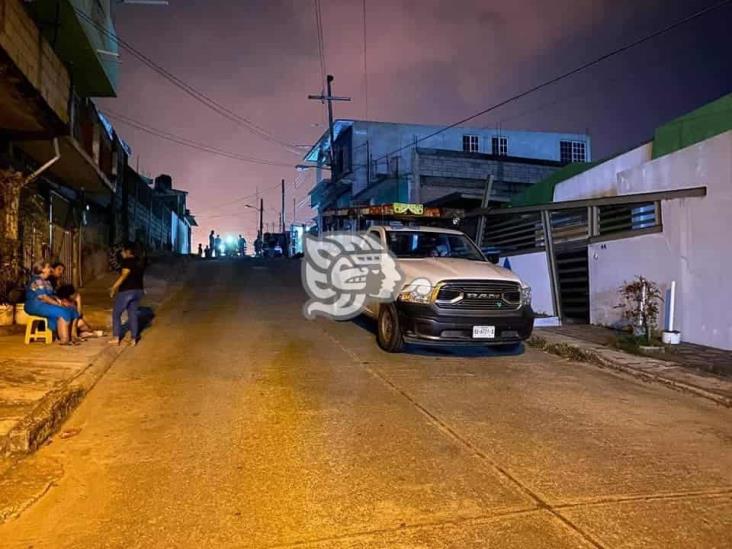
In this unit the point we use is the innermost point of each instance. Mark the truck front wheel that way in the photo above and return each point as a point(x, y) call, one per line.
point(388, 330)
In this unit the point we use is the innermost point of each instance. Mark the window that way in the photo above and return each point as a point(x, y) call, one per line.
point(470, 143)
point(420, 244)
point(499, 146)
point(572, 151)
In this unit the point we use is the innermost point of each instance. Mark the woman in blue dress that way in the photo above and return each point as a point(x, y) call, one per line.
point(40, 301)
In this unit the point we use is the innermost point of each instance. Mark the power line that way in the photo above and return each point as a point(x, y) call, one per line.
point(237, 200)
point(190, 143)
point(321, 40)
point(365, 65)
point(190, 90)
point(599, 85)
point(562, 76)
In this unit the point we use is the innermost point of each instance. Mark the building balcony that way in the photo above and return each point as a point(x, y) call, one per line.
point(89, 152)
point(83, 35)
point(34, 83)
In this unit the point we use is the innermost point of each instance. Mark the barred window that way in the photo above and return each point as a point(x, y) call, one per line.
point(572, 151)
point(499, 146)
point(470, 143)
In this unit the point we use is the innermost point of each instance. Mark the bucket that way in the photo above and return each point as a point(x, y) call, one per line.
point(6, 315)
point(671, 338)
point(20, 315)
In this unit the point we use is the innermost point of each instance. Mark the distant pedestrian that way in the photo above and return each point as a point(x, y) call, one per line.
point(200, 250)
point(211, 241)
point(128, 291)
point(217, 246)
point(258, 247)
point(207, 252)
point(242, 246)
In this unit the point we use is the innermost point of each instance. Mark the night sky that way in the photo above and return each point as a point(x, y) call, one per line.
point(429, 61)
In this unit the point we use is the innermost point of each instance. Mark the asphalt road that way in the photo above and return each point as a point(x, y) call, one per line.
point(236, 422)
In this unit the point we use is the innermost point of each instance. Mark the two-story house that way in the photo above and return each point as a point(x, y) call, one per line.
point(384, 162)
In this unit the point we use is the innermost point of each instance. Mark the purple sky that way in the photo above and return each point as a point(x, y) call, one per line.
point(429, 61)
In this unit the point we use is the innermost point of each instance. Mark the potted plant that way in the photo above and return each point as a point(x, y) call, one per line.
point(641, 300)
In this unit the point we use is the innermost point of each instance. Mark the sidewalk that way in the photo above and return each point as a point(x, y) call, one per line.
point(689, 355)
point(41, 384)
point(695, 369)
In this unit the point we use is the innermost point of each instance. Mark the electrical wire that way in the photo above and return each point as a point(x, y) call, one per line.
point(365, 64)
point(563, 76)
point(188, 142)
point(190, 90)
point(321, 41)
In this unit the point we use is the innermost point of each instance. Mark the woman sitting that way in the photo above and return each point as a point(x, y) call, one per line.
point(40, 301)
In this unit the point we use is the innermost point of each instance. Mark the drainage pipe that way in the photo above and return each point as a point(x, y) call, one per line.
point(32, 177)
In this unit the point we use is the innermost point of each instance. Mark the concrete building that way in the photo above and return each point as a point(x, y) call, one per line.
point(382, 162)
point(55, 56)
point(63, 166)
point(659, 210)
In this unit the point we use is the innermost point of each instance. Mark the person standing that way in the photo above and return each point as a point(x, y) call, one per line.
point(212, 242)
point(200, 250)
point(217, 246)
point(128, 291)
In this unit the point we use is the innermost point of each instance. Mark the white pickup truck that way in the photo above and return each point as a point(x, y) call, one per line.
point(466, 298)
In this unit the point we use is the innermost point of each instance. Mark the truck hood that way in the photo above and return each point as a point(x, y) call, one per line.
point(437, 269)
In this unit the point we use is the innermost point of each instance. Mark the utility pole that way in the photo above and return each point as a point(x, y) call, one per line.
point(329, 98)
point(261, 218)
point(282, 216)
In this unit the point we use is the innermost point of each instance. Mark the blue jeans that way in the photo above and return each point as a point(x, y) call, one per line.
point(127, 301)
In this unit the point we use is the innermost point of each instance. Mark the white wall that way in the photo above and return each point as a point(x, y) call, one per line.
point(603, 179)
point(533, 270)
point(695, 248)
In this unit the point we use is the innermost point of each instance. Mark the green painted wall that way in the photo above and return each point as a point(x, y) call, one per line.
point(705, 122)
point(543, 191)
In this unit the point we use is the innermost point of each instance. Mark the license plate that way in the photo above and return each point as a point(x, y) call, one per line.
point(484, 332)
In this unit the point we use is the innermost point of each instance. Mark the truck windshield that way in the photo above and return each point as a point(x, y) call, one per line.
point(418, 244)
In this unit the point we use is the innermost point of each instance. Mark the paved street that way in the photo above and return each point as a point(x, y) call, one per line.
point(238, 423)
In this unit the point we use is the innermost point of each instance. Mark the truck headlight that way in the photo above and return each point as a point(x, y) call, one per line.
point(526, 295)
point(417, 294)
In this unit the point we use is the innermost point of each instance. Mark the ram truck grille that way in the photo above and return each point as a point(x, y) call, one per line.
point(488, 295)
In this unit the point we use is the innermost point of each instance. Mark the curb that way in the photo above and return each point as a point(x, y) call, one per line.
point(56, 406)
point(53, 409)
point(565, 346)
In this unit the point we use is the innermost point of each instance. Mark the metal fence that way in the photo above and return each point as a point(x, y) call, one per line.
point(513, 231)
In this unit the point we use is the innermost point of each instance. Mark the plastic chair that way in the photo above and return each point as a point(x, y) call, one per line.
point(37, 330)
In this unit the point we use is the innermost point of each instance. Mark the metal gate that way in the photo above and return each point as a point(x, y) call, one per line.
point(563, 230)
point(63, 240)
